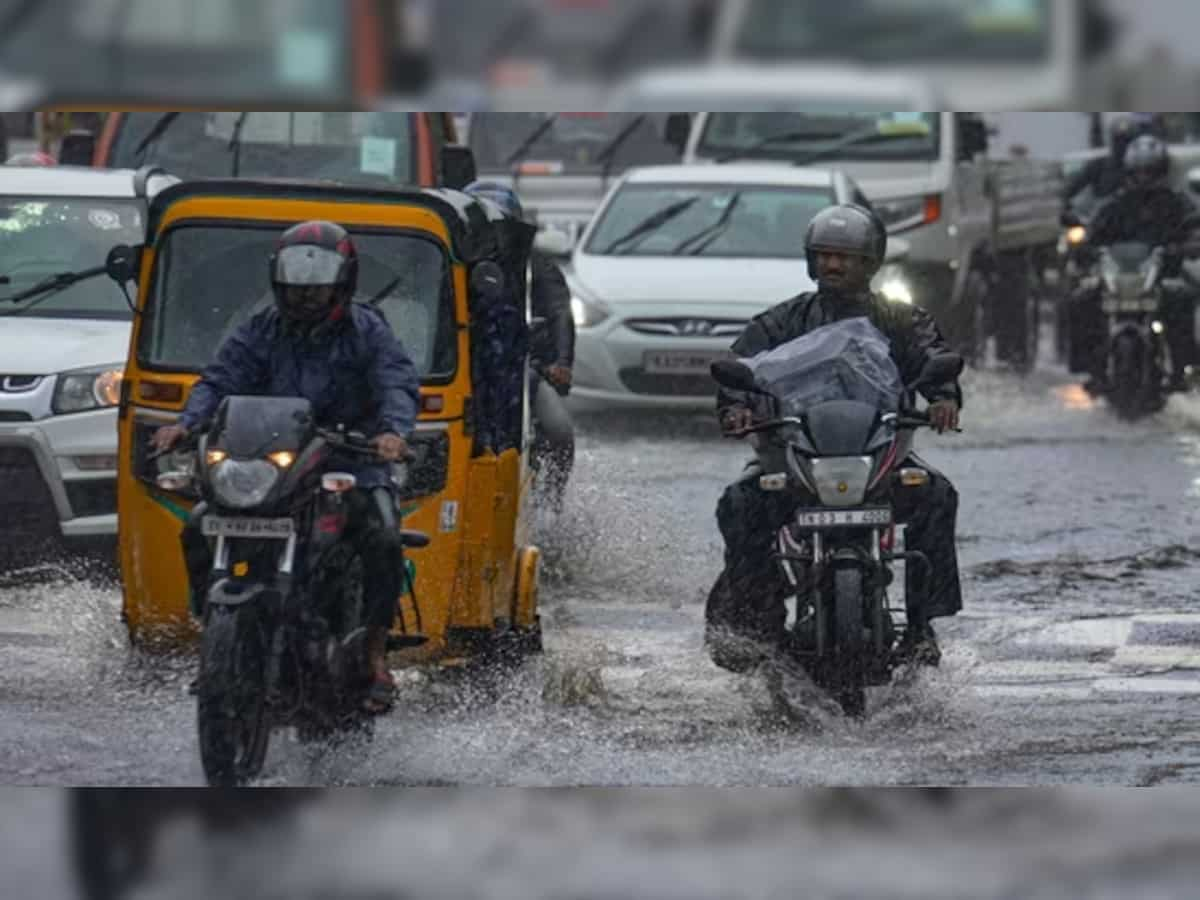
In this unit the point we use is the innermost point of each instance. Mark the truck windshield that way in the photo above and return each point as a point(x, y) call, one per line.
point(913, 136)
point(939, 31)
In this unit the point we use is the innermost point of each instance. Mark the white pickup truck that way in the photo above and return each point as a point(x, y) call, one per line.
point(63, 345)
point(972, 223)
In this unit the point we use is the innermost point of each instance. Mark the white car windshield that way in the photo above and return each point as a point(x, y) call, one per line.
point(744, 221)
point(41, 237)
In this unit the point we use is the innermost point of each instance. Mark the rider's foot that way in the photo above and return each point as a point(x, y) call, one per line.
point(919, 645)
point(383, 686)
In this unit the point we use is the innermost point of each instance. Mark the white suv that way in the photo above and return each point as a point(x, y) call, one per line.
point(63, 346)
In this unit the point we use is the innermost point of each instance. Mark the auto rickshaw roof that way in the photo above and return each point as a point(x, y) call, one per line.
point(466, 217)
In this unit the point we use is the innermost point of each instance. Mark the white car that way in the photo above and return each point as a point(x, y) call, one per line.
point(63, 348)
point(674, 265)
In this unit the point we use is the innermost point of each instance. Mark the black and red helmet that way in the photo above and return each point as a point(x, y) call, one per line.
point(314, 255)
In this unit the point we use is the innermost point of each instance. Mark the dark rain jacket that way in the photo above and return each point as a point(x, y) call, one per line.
point(357, 374)
point(554, 337)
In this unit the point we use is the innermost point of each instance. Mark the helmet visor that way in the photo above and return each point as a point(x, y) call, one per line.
point(308, 266)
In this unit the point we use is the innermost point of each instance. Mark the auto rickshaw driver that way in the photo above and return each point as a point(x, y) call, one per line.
point(316, 344)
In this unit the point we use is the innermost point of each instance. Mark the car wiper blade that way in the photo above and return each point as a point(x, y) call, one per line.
point(160, 128)
point(652, 223)
point(865, 136)
point(533, 138)
point(706, 236)
point(48, 287)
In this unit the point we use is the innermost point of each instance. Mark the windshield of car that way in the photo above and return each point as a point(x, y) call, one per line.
point(261, 51)
point(351, 147)
point(749, 221)
point(45, 236)
point(208, 280)
point(571, 145)
point(912, 135)
point(977, 32)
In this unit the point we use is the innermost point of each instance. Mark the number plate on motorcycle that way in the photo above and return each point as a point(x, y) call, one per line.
point(217, 526)
point(843, 518)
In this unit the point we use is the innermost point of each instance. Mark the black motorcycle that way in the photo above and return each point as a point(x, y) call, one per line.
point(284, 640)
point(840, 460)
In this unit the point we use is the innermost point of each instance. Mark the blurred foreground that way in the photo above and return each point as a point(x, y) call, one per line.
point(477, 843)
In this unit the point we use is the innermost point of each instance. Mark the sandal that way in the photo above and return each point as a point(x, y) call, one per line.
point(381, 695)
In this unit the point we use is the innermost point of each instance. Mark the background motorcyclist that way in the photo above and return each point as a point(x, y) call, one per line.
point(746, 610)
point(1148, 210)
point(552, 351)
point(1105, 175)
point(315, 343)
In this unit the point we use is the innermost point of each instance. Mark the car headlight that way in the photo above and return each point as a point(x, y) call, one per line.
point(908, 212)
point(895, 287)
point(242, 485)
point(587, 313)
point(88, 389)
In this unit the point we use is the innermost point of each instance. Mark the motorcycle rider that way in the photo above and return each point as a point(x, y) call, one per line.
point(1105, 175)
point(1146, 209)
point(315, 343)
point(746, 610)
point(552, 351)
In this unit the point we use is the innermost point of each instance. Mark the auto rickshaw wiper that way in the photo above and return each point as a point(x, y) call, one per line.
point(391, 286)
point(652, 223)
point(160, 127)
point(48, 287)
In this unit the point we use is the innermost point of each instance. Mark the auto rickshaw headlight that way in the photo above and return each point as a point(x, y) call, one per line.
point(243, 484)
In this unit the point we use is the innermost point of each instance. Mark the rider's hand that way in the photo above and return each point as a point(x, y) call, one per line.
point(559, 376)
point(736, 418)
point(167, 437)
point(390, 446)
point(943, 415)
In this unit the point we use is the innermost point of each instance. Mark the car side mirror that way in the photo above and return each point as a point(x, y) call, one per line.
point(77, 148)
point(123, 263)
point(972, 138)
point(458, 166)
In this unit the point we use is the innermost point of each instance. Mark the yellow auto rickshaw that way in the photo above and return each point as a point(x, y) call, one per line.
point(203, 270)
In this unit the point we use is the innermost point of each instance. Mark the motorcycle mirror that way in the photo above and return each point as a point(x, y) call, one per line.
point(735, 375)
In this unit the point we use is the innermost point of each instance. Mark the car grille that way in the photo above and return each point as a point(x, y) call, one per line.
point(7, 416)
point(640, 382)
point(693, 326)
point(93, 498)
point(26, 506)
point(18, 384)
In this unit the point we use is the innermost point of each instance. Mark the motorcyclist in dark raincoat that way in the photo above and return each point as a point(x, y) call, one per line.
point(1105, 175)
point(746, 610)
point(344, 358)
point(1146, 209)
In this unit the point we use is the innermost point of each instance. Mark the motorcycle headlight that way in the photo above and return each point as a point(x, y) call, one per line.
point(587, 313)
point(1076, 235)
point(894, 286)
point(239, 484)
point(88, 389)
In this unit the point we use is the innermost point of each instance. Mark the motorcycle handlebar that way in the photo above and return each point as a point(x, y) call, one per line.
point(909, 420)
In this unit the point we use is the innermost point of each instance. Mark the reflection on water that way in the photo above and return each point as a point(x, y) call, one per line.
point(1074, 397)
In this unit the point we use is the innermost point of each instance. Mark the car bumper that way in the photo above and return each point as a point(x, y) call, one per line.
point(615, 367)
point(54, 463)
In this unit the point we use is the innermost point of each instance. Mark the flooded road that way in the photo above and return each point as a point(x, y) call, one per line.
point(1075, 661)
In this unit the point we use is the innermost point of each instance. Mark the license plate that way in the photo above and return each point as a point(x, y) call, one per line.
point(843, 518)
point(217, 526)
point(680, 362)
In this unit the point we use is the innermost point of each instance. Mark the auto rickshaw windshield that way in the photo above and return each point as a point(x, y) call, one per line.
point(210, 279)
